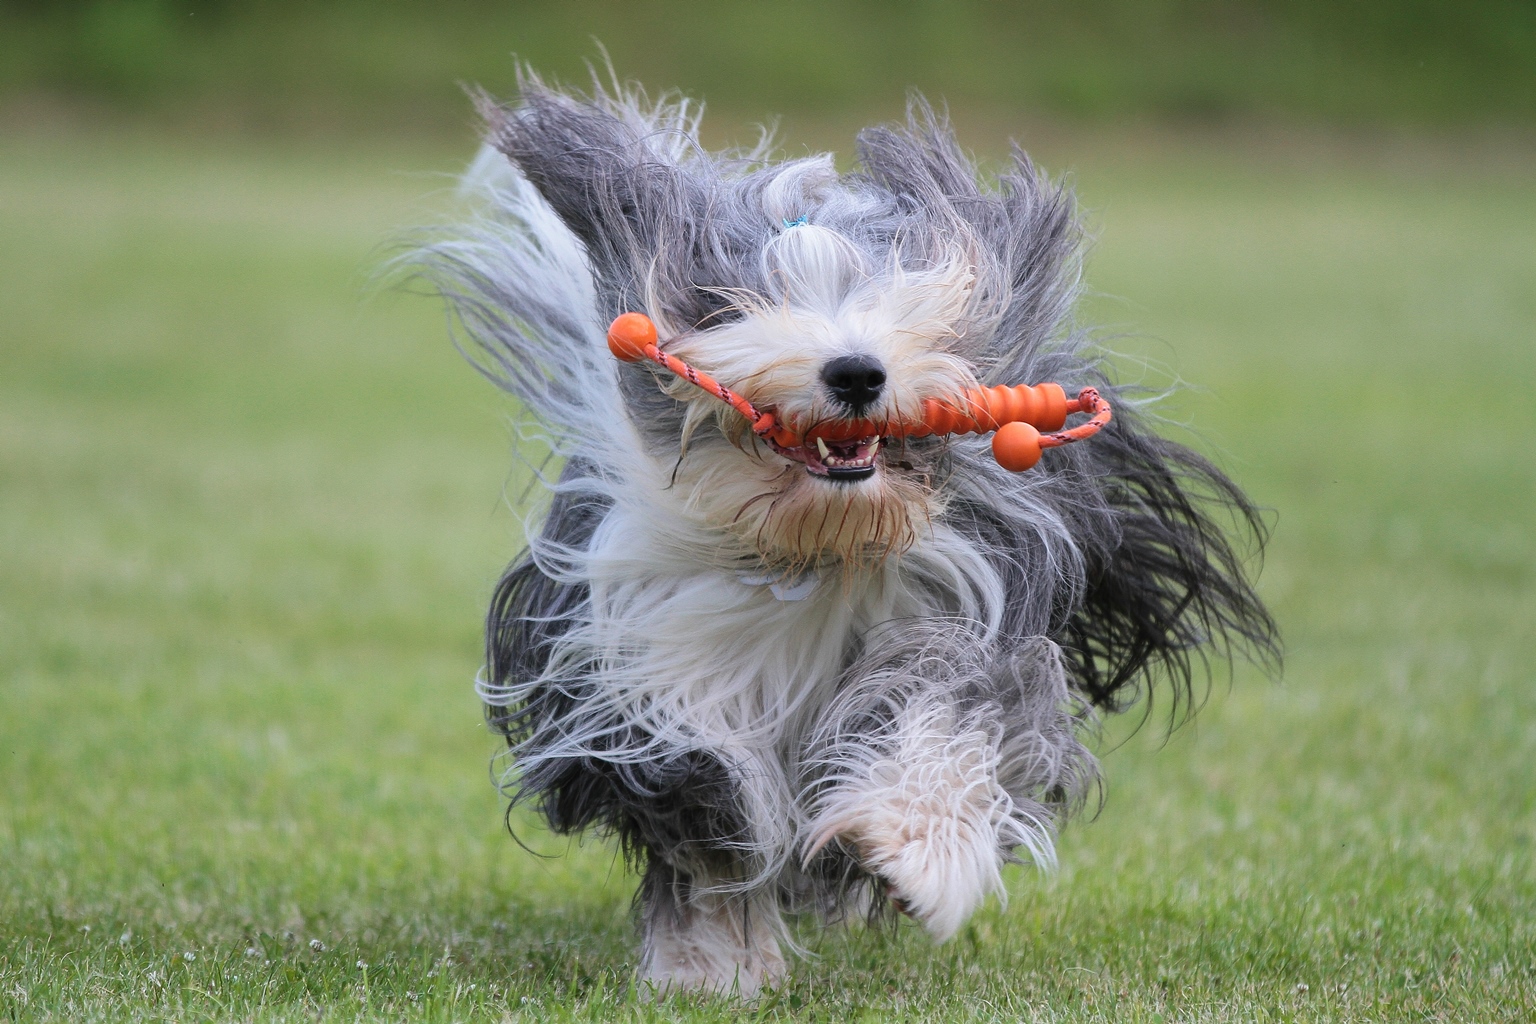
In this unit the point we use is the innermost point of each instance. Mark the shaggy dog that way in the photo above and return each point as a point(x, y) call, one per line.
point(831, 680)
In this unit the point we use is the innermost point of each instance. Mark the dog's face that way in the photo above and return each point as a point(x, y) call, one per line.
point(832, 342)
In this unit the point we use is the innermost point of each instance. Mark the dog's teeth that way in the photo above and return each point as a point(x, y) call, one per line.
point(874, 448)
point(821, 446)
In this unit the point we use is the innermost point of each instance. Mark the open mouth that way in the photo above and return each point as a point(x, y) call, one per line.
point(843, 461)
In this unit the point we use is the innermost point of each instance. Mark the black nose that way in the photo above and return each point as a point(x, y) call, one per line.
point(854, 380)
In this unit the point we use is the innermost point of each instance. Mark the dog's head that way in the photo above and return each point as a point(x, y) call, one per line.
point(826, 298)
point(828, 337)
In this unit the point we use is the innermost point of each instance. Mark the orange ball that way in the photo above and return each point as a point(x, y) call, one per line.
point(1016, 446)
point(629, 334)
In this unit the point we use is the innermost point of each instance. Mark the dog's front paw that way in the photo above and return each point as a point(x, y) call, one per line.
point(930, 830)
point(937, 869)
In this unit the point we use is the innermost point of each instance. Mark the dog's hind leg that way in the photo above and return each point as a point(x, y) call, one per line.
point(939, 761)
point(696, 937)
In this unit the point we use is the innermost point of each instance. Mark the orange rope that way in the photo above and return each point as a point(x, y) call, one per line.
point(1017, 413)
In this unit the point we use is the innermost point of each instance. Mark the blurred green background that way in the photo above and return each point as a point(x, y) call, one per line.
point(395, 63)
point(252, 506)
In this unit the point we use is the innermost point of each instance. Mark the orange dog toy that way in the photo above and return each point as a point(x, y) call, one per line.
point(1027, 419)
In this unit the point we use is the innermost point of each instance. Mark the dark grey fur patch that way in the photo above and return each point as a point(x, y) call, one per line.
point(680, 807)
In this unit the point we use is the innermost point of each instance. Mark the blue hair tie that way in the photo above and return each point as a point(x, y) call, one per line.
point(797, 222)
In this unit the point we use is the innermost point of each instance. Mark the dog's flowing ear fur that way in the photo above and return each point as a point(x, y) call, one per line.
point(1162, 586)
point(1166, 589)
point(629, 181)
point(632, 185)
point(594, 170)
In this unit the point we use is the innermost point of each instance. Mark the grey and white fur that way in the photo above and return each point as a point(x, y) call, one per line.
point(793, 682)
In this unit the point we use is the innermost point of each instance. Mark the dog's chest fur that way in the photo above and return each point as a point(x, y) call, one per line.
point(724, 648)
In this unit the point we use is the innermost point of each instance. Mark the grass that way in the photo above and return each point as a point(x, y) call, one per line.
point(249, 517)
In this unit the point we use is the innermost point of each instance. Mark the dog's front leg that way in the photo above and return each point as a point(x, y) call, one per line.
point(922, 812)
point(939, 759)
point(697, 937)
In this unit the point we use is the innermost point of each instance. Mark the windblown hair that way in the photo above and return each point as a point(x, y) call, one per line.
point(779, 690)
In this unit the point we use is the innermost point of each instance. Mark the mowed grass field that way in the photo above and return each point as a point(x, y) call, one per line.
point(251, 510)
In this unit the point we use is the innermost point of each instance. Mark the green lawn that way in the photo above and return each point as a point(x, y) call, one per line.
point(250, 512)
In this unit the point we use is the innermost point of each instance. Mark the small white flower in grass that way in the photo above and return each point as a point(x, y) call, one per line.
point(252, 951)
point(189, 956)
point(1302, 988)
point(125, 938)
point(317, 945)
point(362, 965)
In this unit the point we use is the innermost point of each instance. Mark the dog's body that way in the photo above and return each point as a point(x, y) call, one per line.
point(811, 679)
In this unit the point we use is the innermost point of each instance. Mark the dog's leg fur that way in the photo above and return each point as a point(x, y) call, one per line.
point(922, 783)
point(696, 937)
point(924, 819)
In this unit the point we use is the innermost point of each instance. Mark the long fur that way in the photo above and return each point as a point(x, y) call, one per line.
point(777, 692)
